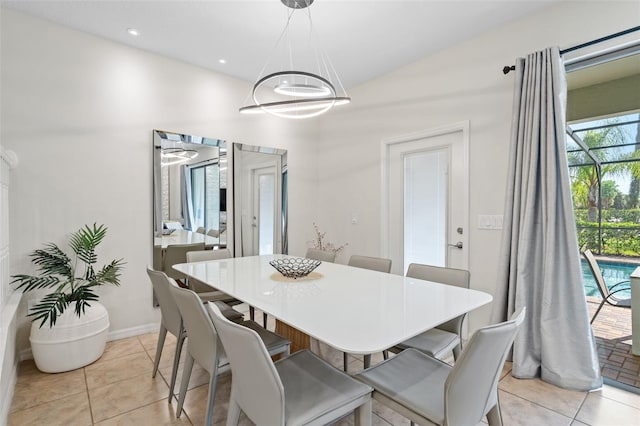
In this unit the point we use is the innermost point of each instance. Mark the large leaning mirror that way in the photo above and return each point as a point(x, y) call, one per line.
point(189, 192)
point(260, 200)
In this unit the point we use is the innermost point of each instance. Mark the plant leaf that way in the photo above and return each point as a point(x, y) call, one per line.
point(109, 274)
point(49, 308)
point(33, 283)
point(83, 243)
point(52, 261)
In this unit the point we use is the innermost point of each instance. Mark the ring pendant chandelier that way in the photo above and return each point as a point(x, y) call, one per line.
point(297, 94)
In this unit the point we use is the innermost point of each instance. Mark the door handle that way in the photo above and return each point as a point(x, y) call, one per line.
point(457, 245)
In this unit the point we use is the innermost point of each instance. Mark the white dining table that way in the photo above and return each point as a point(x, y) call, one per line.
point(182, 236)
point(358, 311)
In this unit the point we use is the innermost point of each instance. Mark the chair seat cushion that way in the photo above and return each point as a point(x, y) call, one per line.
point(414, 380)
point(230, 313)
point(435, 342)
point(273, 342)
point(313, 387)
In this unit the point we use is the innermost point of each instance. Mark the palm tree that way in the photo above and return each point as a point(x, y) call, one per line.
point(587, 176)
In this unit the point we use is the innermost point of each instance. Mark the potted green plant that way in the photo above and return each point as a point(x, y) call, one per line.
point(77, 323)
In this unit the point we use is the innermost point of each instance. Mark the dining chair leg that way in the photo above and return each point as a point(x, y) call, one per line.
point(186, 375)
point(385, 354)
point(233, 412)
point(176, 362)
point(345, 360)
point(264, 320)
point(162, 334)
point(213, 381)
point(494, 416)
point(252, 313)
point(456, 352)
point(363, 416)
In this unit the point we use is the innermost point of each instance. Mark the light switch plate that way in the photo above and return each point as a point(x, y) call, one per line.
point(487, 221)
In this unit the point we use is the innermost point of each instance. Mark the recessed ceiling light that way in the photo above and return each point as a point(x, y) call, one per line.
point(133, 31)
point(222, 61)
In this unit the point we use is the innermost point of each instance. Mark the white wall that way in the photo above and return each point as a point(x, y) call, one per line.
point(464, 82)
point(79, 112)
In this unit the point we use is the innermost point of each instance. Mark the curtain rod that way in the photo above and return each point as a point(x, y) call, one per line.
point(507, 68)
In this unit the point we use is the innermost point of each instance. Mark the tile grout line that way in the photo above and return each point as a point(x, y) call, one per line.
point(575, 416)
point(86, 386)
point(536, 403)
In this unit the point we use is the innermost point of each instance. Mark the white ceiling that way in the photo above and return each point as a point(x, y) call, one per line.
point(363, 38)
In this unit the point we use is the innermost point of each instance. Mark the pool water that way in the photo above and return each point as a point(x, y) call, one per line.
point(613, 273)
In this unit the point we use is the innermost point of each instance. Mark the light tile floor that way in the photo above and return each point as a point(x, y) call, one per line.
point(118, 390)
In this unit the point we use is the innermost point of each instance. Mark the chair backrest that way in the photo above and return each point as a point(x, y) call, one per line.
point(213, 233)
point(471, 389)
point(322, 255)
point(169, 311)
point(450, 276)
point(367, 262)
point(203, 255)
point(201, 230)
point(597, 273)
point(177, 253)
point(256, 386)
point(202, 338)
point(438, 274)
point(171, 224)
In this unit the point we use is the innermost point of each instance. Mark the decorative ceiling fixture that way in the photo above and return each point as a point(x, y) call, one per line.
point(297, 94)
point(171, 156)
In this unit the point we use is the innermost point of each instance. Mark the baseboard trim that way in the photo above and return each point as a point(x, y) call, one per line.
point(132, 331)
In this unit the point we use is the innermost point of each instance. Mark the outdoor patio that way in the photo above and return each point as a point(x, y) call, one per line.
point(612, 329)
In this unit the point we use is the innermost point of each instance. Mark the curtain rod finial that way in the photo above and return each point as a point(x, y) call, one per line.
point(508, 68)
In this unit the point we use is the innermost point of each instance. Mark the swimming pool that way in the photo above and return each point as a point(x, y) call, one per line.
point(612, 272)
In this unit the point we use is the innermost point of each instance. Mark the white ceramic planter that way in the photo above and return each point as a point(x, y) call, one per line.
point(73, 342)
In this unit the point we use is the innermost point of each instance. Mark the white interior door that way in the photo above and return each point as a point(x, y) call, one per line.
point(426, 197)
point(264, 210)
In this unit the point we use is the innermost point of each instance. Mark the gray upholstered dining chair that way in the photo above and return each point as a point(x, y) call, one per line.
point(375, 264)
point(321, 255)
point(301, 389)
point(214, 233)
point(224, 253)
point(202, 288)
point(203, 345)
point(368, 262)
point(200, 230)
point(171, 321)
point(427, 390)
point(177, 253)
point(447, 337)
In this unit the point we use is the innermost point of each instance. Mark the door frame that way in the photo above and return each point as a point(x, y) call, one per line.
point(387, 143)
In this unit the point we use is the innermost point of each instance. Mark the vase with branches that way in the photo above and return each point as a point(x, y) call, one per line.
point(320, 243)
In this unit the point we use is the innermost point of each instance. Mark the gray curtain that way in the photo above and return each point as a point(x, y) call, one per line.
point(539, 261)
point(187, 200)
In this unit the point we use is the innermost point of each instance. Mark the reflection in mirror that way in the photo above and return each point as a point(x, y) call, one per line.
point(189, 192)
point(260, 200)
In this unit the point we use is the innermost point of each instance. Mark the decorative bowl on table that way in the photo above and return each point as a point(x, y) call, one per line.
point(295, 267)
